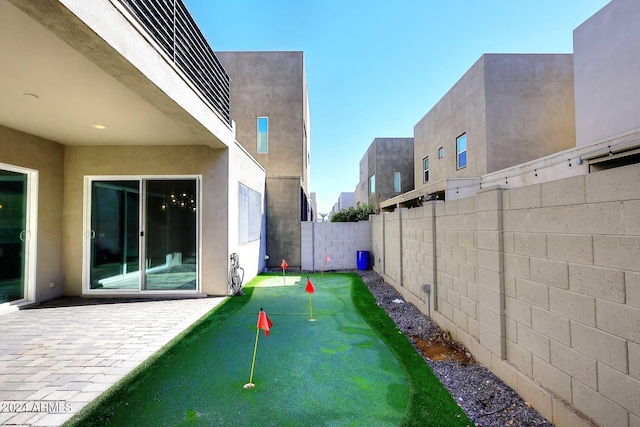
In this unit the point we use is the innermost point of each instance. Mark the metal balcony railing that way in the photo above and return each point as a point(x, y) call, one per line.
point(173, 28)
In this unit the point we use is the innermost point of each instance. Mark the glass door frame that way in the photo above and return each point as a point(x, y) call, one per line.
point(88, 235)
point(31, 235)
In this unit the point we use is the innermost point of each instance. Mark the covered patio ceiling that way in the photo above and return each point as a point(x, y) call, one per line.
point(54, 91)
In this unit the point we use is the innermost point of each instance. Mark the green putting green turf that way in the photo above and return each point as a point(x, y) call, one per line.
point(349, 367)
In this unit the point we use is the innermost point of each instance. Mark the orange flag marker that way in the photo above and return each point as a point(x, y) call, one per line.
point(310, 289)
point(284, 266)
point(265, 324)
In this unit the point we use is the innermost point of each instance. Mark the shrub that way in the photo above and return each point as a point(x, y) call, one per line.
point(361, 213)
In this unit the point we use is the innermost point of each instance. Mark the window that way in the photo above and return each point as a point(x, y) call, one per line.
point(117, 209)
point(461, 150)
point(440, 152)
point(372, 184)
point(397, 182)
point(425, 168)
point(263, 135)
point(249, 214)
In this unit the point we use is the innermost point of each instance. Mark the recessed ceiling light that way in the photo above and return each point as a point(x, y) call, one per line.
point(98, 127)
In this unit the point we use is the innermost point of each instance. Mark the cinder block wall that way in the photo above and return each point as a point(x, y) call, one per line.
point(339, 240)
point(541, 283)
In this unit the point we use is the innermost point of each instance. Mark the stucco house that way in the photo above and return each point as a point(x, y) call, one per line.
point(270, 106)
point(120, 170)
point(505, 110)
point(346, 200)
point(386, 170)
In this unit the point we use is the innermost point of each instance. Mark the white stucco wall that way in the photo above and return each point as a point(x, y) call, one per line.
point(244, 169)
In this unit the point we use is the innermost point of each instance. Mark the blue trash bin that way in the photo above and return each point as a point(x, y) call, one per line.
point(362, 260)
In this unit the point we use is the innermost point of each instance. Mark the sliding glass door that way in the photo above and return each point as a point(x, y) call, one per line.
point(115, 242)
point(170, 237)
point(13, 235)
point(143, 235)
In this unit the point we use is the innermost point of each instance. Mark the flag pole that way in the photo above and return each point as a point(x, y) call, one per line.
point(284, 266)
point(311, 319)
point(263, 323)
point(250, 384)
point(324, 264)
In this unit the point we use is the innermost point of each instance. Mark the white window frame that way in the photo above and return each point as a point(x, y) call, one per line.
point(247, 231)
point(87, 235)
point(459, 152)
point(30, 235)
point(425, 170)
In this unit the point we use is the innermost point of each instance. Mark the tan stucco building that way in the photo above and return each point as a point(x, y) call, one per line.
point(120, 173)
point(506, 109)
point(386, 170)
point(270, 106)
point(606, 63)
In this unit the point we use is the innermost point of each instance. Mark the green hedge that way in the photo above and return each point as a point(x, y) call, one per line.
point(361, 213)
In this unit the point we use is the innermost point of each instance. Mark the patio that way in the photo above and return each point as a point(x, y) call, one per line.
point(57, 357)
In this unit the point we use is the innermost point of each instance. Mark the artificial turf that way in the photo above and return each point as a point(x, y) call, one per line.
point(351, 366)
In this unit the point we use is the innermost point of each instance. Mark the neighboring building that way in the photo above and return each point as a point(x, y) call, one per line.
point(346, 201)
point(507, 109)
point(271, 110)
point(119, 169)
point(314, 208)
point(606, 64)
point(361, 191)
point(386, 170)
point(333, 211)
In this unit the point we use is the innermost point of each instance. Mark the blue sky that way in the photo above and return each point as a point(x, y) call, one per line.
point(375, 68)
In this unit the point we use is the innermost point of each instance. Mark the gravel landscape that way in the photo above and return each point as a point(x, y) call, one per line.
point(486, 400)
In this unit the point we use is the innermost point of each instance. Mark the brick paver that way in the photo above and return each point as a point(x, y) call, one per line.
point(57, 358)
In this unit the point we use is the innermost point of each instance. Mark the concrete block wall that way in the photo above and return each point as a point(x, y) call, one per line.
point(392, 247)
point(377, 235)
point(418, 240)
point(339, 240)
point(572, 253)
point(541, 283)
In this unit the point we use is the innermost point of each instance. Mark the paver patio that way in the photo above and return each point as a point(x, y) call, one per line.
point(56, 358)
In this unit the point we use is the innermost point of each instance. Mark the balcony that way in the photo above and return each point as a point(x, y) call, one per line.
point(173, 28)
